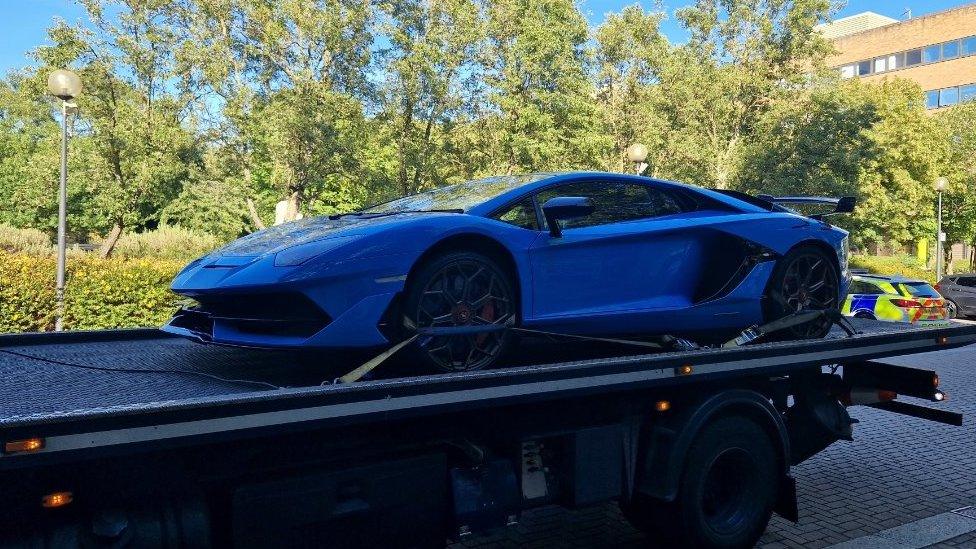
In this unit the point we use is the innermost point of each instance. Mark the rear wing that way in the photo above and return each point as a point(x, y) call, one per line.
point(841, 205)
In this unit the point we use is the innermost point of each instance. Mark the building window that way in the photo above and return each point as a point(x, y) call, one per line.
point(913, 57)
point(848, 71)
point(948, 97)
point(932, 54)
point(969, 46)
point(950, 50)
point(967, 93)
point(932, 99)
point(864, 68)
point(896, 61)
point(881, 64)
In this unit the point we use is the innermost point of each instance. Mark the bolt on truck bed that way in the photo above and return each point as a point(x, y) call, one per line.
point(140, 397)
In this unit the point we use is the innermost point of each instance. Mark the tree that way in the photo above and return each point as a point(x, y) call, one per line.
point(429, 64)
point(743, 55)
point(292, 76)
point(959, 200)
point(630, 50)
point(144, 147)
point(540, 113)
point(873, 141)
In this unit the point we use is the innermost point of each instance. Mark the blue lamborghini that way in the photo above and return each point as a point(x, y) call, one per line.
point(575, 253)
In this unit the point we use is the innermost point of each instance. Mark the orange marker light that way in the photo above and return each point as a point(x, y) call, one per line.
point(685, 369)
point(26, 445)
point(57, 499)
point(935, 380)
point(662, 406)
point(943, 340)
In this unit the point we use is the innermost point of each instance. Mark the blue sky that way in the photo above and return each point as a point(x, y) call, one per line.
point(23, 22)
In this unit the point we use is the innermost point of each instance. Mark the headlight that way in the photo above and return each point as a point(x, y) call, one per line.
point(296, 255)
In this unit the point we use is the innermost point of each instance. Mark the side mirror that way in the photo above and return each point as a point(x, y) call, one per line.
point(565, 207)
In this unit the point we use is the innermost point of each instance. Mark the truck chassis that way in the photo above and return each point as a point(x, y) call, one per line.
point(133, 438)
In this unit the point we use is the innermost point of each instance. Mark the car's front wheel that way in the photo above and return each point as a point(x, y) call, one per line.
point(952, 310)
point(465, 290)
point(805, 279)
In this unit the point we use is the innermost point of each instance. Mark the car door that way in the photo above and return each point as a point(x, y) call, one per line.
point(964, 293)
point(627, 256)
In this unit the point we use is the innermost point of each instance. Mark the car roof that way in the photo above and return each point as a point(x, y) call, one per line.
point(536, 181)
point(895, 279)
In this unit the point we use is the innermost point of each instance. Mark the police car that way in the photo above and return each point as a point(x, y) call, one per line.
point(896, 299)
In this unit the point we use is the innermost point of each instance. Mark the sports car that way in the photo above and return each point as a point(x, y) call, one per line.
point(589, 254)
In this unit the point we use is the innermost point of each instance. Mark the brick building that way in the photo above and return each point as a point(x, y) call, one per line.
point(937, 50)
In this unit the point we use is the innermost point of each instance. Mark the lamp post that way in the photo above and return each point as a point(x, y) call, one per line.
point(65, 85)
point(940, 185)
point(637, 154)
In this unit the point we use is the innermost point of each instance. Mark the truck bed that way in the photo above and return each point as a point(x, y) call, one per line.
point(46, 394)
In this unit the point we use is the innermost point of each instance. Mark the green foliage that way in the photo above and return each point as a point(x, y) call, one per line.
point(113, 293)
point(168, 243)
point(904, 265)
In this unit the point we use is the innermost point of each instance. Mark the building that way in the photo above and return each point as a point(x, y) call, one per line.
point(937, 50)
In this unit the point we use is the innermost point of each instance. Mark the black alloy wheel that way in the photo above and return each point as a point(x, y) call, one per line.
point(805, 279)
point(461, 289)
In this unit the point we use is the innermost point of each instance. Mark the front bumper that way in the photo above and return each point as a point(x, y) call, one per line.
point(289, 320)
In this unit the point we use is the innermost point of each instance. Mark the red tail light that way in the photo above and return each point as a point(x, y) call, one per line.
point(905, 303)
point(938, 287)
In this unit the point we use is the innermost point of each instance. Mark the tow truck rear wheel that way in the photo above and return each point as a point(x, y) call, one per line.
point(727, 491)
point(466, 290)
point(804, 279)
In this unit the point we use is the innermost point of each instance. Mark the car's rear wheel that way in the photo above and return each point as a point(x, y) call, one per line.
point(952, 310)
point(460, 289)
point(805, 279)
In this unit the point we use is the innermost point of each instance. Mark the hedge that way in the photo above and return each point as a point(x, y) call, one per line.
point(905, 265)
point(100, 293)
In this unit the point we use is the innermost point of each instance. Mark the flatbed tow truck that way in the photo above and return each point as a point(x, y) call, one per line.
point(134, 438)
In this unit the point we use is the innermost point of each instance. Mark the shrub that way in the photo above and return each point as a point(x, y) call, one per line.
point(113, 293)
point(904, 265)
point(31, 241)
point(165, 243)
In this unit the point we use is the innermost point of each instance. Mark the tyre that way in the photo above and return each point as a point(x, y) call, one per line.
point(952, 310)
point(460, 289)
point(727, 491)
point(804, 279)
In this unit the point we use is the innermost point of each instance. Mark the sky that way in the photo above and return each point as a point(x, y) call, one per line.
point(23, 22)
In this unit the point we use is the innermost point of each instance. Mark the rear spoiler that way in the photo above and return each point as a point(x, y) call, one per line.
point(841, 205)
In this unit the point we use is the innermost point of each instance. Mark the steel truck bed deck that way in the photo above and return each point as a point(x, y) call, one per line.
point(78, 410)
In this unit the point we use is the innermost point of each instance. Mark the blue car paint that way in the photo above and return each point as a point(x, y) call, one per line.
point(628, 277)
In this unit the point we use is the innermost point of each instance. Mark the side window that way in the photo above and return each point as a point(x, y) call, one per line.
point(969, 281)
point(864, 288)
point(616, 202)
point(521, 214)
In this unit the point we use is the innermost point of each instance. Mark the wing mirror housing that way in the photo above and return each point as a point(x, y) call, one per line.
point(562, 208)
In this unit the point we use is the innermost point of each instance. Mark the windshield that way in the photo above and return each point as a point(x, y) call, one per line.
point(462, 196)
point(917, 289)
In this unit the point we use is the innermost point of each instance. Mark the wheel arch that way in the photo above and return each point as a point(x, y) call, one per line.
point(666, 443)
point(476, 242)
point(824, 247)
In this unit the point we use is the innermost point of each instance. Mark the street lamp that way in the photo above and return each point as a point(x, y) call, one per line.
point(940, 185)
point(637, 154)
point(65, 85)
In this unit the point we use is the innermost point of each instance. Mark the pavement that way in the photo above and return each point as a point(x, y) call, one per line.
point(896, 486)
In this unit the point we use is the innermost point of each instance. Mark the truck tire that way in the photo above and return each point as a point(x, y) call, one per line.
point(726, 495)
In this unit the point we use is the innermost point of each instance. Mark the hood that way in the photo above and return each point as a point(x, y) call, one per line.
point(293, 233)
